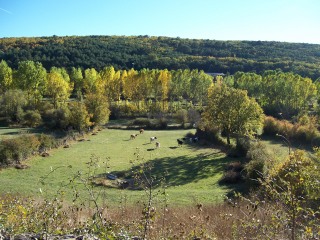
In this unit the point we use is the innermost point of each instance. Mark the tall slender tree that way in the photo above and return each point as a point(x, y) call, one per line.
point(5, 76)
point(58, 87)
point(31, 77)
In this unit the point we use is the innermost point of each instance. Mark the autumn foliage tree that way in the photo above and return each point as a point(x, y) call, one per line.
point(79, 117)
point(98, 108)
point(232, 111)
point(58, 87)
point(5, 76)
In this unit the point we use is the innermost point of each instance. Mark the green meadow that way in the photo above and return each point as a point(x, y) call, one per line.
point(191, 171)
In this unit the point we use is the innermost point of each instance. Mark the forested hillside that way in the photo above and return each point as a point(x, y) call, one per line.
point(163, 52)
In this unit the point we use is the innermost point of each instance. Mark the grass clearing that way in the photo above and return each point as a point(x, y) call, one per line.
point(192, 171)
point(7, 132)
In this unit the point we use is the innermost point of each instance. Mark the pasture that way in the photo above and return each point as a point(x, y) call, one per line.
point(191, 171)
point(7, 132)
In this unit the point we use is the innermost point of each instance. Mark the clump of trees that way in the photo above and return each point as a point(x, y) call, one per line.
point(28, 88)
point(280, 94)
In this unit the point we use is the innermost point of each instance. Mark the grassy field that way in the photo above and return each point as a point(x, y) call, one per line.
point(192, 171)
point(7, 132)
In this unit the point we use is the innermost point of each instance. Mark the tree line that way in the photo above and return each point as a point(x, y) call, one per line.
point(30, 86)
point(163, 53)
point(145, 90)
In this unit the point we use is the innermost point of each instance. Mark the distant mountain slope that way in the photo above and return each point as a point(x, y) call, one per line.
point(163, 52)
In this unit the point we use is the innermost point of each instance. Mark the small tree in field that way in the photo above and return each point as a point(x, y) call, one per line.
point(79, 117)
point(232, 111)
point(98, 107)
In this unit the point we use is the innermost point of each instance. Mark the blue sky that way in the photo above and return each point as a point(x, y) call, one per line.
point(265, 20)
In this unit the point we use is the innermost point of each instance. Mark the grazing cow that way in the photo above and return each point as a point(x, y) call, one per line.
point(152, 139)
point(180, 142)
point(157, 144)
point(132, 136)
point(141, 131)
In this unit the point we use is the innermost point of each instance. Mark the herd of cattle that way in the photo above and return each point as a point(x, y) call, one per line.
point(179, 141)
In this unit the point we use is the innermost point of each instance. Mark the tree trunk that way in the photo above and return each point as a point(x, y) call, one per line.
point(228, 138)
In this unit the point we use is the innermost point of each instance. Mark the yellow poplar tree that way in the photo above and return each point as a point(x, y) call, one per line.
point(57, 88)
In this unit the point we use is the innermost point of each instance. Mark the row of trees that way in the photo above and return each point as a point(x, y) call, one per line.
point(275, 91)
point(287, 94)
point(59, 84)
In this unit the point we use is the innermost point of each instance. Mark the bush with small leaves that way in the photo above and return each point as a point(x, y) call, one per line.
point(32, 118)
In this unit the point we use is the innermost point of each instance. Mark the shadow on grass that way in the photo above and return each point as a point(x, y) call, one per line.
point(183, 170)
point(21, 131)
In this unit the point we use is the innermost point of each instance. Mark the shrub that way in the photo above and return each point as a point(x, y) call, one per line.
point(56, 118)
point(235, 166)
point(32, 118)
point(231, 177)
point(259, 158)
point(7, 147)
point(19, 148)
point(47, 142)
point(270, 126)
point(129, 109)
point(44, 106)
point(27, 145)
point(12, 105)
point(211, 135)
point(316, 141)
point(294, 184)
point(232, 174)
point(161, 123)
point(296, 132)
point(243, 146)
point(142, 122)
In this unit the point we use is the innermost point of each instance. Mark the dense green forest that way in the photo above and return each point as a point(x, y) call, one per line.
point(140, 52)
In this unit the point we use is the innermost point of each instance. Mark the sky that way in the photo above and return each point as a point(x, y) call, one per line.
point(264, 20)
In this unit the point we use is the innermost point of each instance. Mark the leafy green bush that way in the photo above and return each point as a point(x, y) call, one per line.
point(271, 126)
point(142, 122)
point(258, 157)
point(47, 141)
point(13, 150)
point(56, 118)
point(231, 177)
point(161, 123)
point(32, 118)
